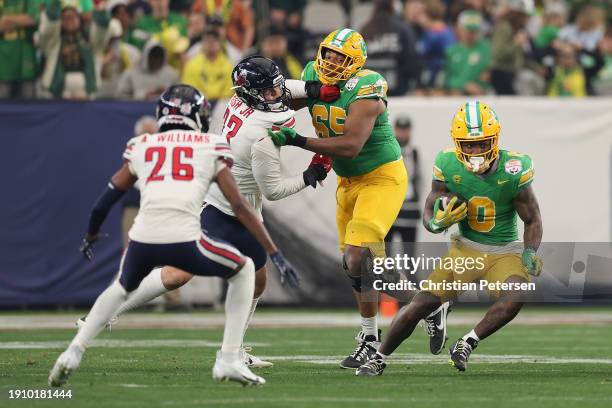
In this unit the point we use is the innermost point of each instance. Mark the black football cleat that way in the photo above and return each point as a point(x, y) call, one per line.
point(366, 348)
point(435, 327)
point(460, 353)
point(373, 367)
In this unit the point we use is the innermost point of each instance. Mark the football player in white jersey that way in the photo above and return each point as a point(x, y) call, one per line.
point(260, 103)
point(176, 167)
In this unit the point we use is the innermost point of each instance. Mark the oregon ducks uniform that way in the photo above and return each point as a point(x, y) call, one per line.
point(490, 224)
point(488, 180)
point(372, 186)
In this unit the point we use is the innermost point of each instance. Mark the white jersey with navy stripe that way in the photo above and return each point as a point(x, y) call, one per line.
point(175, 170)
point(257, 165)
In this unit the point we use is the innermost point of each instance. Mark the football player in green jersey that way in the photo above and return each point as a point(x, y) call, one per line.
point(496, 186)
point(355, 131)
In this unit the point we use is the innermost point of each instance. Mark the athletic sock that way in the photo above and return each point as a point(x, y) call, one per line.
point(380, 356)
point(471, 338)
point(237, 307)
point(369, 326)
point(102, 311)
point(150, 288)
point(251, 312)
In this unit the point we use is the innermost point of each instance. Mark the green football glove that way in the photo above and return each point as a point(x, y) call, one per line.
point(531, 262)
point(287, 137)
point(443, 219)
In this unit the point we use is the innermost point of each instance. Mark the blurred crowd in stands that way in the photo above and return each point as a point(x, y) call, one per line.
point(132, 49)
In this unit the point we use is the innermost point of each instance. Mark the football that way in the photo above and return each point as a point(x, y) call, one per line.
point(445, 199)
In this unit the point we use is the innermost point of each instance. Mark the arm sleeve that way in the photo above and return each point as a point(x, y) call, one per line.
point(297, 88)
point(266, 164)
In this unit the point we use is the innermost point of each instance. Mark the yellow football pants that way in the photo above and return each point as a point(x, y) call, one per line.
point(495, 268)
point(367, 206)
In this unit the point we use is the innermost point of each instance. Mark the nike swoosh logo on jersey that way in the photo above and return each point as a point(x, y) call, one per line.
point(502, 181)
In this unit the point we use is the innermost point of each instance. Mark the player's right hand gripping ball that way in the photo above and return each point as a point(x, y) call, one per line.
point(288, 275)
point(531, 262)
point(325, 93)
point(319, 166)
point(451, 214)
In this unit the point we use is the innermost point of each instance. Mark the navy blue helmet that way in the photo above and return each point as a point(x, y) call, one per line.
point(254, 74)
point(183, 107)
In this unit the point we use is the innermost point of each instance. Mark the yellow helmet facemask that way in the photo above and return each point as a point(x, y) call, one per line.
point(476, 122)
point(348, 43)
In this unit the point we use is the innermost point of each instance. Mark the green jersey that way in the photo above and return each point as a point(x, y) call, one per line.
point(148, 26)
point(17, 50)
point(328, 120)
point(466, 64)
point(491, 215)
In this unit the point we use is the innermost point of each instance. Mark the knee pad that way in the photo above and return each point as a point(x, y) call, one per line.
point(364, 276)
point(355, 280)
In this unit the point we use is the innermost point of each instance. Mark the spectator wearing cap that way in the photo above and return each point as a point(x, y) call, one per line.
point(211, 70)
point(150, 77)
point(165, 26)
point(119, 55)
point(467, 62)
point(275, 47)
point(410, 214)
point(18, 21)
point(392, 48)
point(69, 51)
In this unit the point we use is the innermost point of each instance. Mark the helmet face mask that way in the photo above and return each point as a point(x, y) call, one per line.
point(478, 162)
point(348, 43)
point(253, 76)
point(183, 107)
point(476, 122)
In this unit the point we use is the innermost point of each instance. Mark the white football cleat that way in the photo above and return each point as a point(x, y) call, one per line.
point(81, 322)
point(66, 363)
point(235, 371)
point(252, 361)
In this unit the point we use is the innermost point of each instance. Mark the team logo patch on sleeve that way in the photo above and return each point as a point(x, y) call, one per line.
point(513, 167)
point(351, 83)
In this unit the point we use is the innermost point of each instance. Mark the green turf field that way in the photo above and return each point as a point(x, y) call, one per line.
point(522, 366)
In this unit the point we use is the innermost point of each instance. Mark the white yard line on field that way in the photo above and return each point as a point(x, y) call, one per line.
point(281, 320)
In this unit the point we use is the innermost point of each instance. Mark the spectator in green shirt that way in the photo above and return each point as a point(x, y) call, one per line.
point(153, 25)
point(555, 15)
point(467, 62)
point(18, 22)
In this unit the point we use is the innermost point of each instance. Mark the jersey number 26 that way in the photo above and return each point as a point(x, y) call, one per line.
point(180, 171)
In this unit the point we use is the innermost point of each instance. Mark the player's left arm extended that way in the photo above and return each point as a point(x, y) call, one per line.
point(121, 181)
point(359, 123)
point(527, 207)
